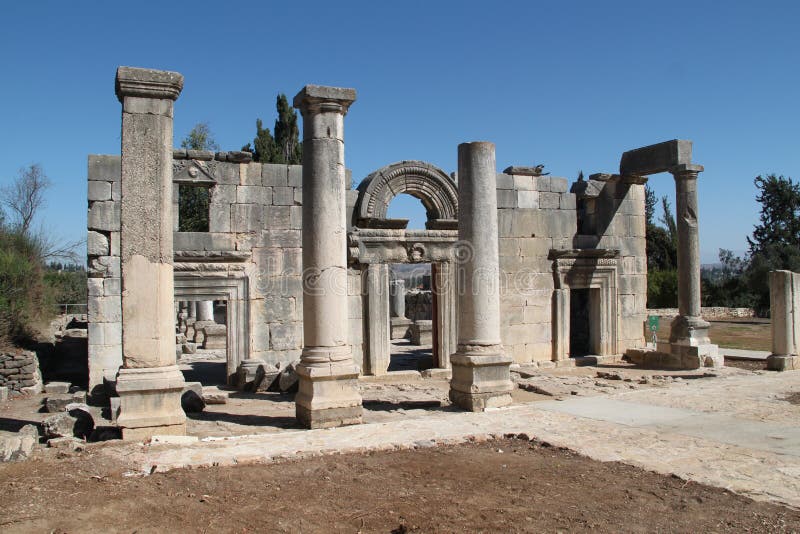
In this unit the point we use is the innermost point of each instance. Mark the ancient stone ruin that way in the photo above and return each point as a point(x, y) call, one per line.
point(525, 269)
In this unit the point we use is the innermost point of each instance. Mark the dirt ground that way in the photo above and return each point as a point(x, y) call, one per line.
point(508, 485)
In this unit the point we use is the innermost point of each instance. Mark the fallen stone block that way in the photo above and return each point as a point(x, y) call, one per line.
point(267, 379)
point(213, 395)
point(19, 446)
point(77, 422)
point(189, 348)
point(66, 443)
point(288, 380)
point(58, 403)
point(57, 387)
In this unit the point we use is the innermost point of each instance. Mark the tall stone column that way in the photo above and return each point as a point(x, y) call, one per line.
point(205, 310)
point(689, 332)
point(784, 303)
point(192, 309)
point(688, 328)
point(149, 383)
point(481, 376)
point(328, 393)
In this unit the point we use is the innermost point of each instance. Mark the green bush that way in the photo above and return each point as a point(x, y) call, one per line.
point(22, 292)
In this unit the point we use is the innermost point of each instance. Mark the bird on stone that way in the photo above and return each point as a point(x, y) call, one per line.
point(538, 170)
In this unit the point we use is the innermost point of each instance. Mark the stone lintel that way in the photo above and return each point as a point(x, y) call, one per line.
point(652, 159)
point(321, 98)
point(148, 83)
point(523, 171)
point(581, 253)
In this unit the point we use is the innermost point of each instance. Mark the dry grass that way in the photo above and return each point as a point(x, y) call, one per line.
point(748, 334)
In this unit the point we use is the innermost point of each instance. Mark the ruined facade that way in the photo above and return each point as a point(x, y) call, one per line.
point(526, 268)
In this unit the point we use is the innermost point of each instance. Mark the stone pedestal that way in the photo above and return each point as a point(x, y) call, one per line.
point(248, 372)
point(149, 383)
point(215, 336)
point(422, 332)
point(481, 377)
point(784, 303)
point(400, 327)
point(328, 390)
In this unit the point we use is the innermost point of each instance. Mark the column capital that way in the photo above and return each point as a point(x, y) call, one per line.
point(689, 170)
point(148, 83)
point(313, 99)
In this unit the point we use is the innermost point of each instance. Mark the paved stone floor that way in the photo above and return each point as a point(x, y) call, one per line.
point(731, 429)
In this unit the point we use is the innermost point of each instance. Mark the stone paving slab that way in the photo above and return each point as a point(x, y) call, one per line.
point(717, 444)
point(742, 354)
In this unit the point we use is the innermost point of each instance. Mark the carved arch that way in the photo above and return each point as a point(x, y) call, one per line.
point(435, 189)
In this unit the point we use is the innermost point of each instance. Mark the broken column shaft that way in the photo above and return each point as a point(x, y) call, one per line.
point(328, 391)
point(481, 376)
point(149, 383)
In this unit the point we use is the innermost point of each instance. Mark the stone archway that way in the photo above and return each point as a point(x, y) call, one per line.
point(376, 241)
point(432, 186)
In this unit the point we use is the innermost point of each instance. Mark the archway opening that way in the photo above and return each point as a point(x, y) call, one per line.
point(405, 206)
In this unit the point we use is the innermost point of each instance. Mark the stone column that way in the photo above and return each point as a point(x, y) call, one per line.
point(784, 303)
point(689, 332)
point(398, 298)
point(688, 328)
point(193, 309)
point(328, 393)
point(149, 383)
point(481, 376)
point(376, 318)
point(205, 310)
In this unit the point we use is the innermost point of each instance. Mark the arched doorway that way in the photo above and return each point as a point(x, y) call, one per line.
point(377, 241)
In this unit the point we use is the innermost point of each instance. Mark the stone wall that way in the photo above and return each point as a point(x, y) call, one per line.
point(708, 312)
point(255, 224)
point(535, 214)
point(19, 371)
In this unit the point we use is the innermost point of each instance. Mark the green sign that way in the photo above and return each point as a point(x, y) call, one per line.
point(652, 322)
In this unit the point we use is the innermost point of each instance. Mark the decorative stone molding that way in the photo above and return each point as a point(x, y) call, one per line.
point(429, 184)
point(148, 83)
point(401, 246)
point(315, 99)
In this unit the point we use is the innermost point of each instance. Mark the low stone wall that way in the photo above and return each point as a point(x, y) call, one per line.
point(419, 305)
point(19, 371)
point(712, 312)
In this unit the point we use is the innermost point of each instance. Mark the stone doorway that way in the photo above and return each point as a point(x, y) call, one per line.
point(584, 322)
point(411, 310)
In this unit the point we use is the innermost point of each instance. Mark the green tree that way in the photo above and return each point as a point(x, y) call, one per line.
point(193, 201)
point(285, 146)
point(662, 254)
point(649, 204)
point(200, 138)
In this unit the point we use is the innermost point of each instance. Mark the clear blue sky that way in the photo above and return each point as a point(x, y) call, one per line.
point(568, 84)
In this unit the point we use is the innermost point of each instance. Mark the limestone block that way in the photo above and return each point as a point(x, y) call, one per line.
point(250, 174)
point(105, 333)
point(113, 240)
point(281, 238)
point(105, 168)
point(103, 216)
point(275, 174)
point(116, 191)
point(509, 247)
point(538, 315)
point(105, 309)
point(247, 217)
point(99, 191)
point(215, 336)
point(296, 175)
point(298, 196)
point(506, 198)
point(568, 201)
point(510, 314)
point(535, 247)
point(524, 183)
point(95, 287)
point(528, 199)
point(57, 387)
point(259, 333)
point(219, 218)
point(223, 194)
point(656, 158)
point(549, 201)
point(292, 260)
point(282, 196)
point(504, 220)
point(559, 185)
point(422, 332)
point(505, 181)
point(227, 173)
point(253, 194)
point(296, 217)
point(97, 244)
point(279, 309)
point(354, 303)
point(285, 336)
point(112, 287)
point(278, 217)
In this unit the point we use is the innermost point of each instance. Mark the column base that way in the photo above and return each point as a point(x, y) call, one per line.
point(689, 331)
point(327, 393)
point(783, 362)
point(150, 402)
point(481, 378)
point(677, 357)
